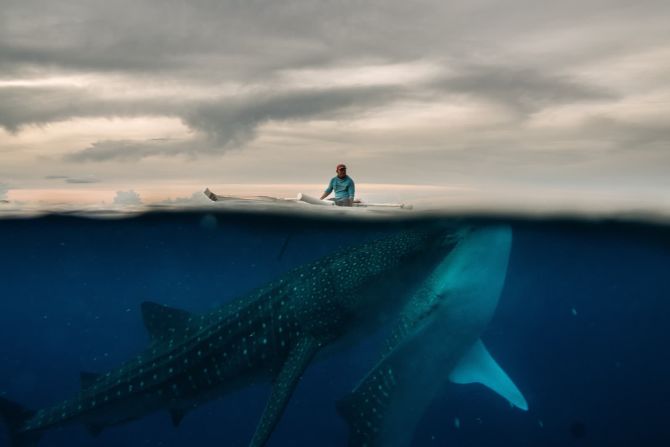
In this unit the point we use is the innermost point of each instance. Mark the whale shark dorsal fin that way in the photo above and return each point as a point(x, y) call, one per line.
point(86, 379)
point(282, 388)
point(477, 366)
point(165, 322)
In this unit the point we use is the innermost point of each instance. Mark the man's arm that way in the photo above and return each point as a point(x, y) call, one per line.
point(352, 192)
point(327, 191)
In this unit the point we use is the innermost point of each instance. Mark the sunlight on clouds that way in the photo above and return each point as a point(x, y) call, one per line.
point(635, 72)
point(127, 128)
point(70, 196)
point(133, 88)
point(650, 108)
point(452, 113)
point(55, 81)
point(361, 75)
point(68, 136)
point(402, 122)
point(118, 86)
point(586, 41)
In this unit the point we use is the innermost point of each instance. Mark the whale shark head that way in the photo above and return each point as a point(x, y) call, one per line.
point(436, 340)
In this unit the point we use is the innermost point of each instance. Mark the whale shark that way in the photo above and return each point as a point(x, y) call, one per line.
point(435, 341)
point(271, 334)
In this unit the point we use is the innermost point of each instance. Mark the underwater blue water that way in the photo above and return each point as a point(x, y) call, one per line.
point(581, 327)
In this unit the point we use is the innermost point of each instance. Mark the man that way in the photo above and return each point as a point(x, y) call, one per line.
point(343, 186)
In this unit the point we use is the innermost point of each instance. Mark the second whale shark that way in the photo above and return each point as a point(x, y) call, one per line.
point(437, 340)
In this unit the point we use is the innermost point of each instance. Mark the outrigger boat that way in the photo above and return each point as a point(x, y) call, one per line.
point(300, 199)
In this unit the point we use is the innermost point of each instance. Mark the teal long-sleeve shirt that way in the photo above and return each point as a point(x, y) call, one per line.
point(344, 188)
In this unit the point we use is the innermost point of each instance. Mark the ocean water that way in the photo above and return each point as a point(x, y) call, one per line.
point(581, 326)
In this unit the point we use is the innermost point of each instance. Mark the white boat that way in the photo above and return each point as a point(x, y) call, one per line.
point(300, 199)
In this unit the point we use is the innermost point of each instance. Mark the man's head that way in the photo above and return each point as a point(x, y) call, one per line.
point(341, 170)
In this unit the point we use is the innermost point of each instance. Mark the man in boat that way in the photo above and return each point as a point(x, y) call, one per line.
point(343, 186)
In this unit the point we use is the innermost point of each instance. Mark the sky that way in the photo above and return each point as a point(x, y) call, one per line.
point(473, 99)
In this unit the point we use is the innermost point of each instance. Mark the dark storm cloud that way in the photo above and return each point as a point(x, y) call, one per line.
point(225, 124)
point(21, 106)
point(523, 90)
point(221, 123)
point(211, 40)
point(235, 122)
point(208, 39)
point(128, 151)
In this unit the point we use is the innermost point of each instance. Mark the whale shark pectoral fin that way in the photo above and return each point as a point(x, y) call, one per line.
point(284, 384)
point(165, 322)
point(477, 366)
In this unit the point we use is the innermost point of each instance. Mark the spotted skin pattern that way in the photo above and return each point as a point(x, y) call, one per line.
point(271, 334)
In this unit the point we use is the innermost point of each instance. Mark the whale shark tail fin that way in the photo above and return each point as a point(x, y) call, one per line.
point(477, 366)
point(14, 416)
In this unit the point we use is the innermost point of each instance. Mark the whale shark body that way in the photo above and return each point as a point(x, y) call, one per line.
point(273, 333)
point(435, 341)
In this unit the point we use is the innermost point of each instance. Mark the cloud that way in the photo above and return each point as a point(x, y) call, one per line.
point(3, 191)
point(73, 180)
point(233, 39)
point(82, 180)
point(127, 198)
point(207, 40)
point(232, 123)
point(468, 89)
point(197, 198)
point(203, 44)
point(628, 134)
point(228, 122)
point(522, 90)
point(224, 124)
point(21, 106)
point(128, 151)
